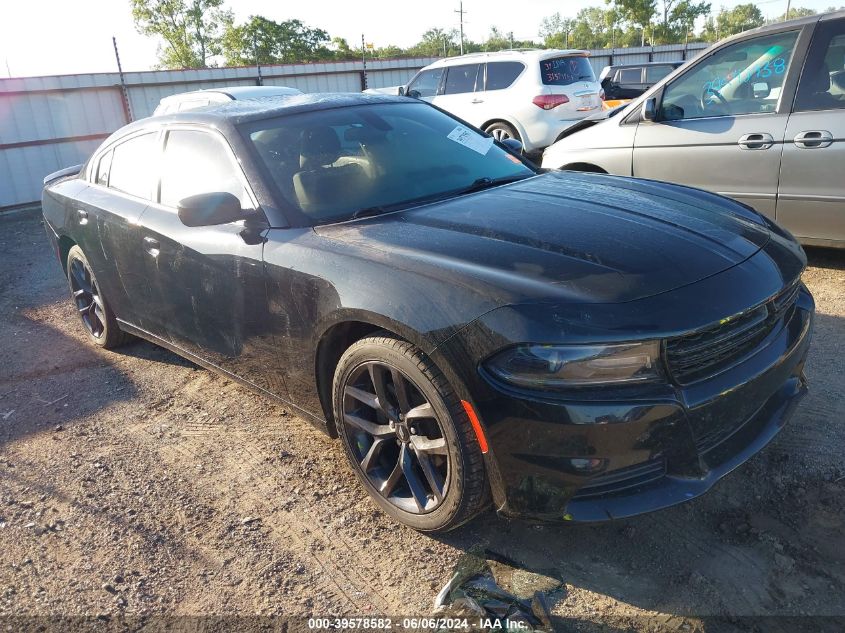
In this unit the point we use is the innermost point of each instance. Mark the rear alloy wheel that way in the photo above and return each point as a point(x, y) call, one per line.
point(407, 436)
point(96, 315)
point(502, 131)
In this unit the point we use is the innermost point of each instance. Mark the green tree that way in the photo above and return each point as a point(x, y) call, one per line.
point(192, 30)
point(438, 42)
point(731, 21)
point(556, 31)
point(342, 50)
point(591, 29)
point(264, 41)
point(678, 20)
point(637, 13)
point(799, 12)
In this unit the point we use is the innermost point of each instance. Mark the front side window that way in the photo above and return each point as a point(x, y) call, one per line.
point(426, 83)
point(197, 162)
point(133, 165)
point(563, 71)
point(460, 79)
point(328, 165)
point(822, 85)
point(501, 75)
point(743, 78)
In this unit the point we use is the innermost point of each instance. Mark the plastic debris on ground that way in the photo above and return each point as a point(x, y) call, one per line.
point(488, 587)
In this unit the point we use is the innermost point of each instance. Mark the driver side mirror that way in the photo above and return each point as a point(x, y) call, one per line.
point(401, 91)
point(209, 209)
point(649, 112)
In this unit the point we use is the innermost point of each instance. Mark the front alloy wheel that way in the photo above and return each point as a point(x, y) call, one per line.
point(407, 436)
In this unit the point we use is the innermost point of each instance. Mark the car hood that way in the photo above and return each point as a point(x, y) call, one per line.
point(585, 238)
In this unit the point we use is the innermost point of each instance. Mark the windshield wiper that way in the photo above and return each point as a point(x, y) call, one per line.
point(486, 182)
point(478, 184)
point(369, 212)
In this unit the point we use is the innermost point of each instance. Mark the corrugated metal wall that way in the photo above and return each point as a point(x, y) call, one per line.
point(667, 53)
point(48, 123)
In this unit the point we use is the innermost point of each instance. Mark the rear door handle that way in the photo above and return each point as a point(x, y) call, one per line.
point(757, 140)
point(478, 100)
point(813, 139)
point(83, 216)
point(152, 246)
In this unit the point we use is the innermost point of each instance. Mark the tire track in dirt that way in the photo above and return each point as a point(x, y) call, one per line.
point(236, 452)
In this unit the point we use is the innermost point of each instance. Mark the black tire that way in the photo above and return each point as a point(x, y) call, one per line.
point(95, 313)
point(465, 489)
point(501, 131)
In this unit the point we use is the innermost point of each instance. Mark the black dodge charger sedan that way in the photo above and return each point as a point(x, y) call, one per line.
point(576, 347)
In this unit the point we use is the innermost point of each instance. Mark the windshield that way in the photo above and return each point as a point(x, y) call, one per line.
point(562, 71)
point(339, 163)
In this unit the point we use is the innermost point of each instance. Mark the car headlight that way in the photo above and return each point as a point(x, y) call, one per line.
point(555, 366)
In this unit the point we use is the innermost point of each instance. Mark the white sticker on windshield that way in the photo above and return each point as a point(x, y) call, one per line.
point(470, 139)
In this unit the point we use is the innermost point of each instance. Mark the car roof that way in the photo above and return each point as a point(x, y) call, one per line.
point(234, 92)
point(240, 111)
point(522, 54)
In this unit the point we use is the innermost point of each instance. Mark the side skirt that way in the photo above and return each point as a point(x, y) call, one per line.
point(317, 421)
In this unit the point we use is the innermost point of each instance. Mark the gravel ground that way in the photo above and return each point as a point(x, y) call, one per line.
point(135, 484)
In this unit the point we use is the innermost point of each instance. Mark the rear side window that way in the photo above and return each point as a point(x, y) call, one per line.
point(103, 169)
point(653, 74)
point(501, 75)
point(461, 79)
point(630, 76)
point(197, 162)
point(133, 164)
point(562, 71)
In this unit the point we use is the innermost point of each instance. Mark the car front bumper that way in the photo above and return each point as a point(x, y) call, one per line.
point(593, 460)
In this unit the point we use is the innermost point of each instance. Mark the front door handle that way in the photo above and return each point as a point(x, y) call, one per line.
point(813, 139)
point(757, 140)
point(83, 216)
point(478, 100)
point(152, 246)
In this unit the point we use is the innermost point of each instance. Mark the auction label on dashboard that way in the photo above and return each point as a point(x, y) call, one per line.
point(432, 623)
point(470, 139)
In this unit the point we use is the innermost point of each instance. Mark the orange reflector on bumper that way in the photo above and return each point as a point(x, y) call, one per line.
point(476, 425)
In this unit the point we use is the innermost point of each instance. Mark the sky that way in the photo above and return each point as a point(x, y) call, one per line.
point(51, 37)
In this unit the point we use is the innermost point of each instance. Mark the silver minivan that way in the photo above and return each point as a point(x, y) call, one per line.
point(759, 117)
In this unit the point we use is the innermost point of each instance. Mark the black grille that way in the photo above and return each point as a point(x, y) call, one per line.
point(709, 351)
point(623, 479)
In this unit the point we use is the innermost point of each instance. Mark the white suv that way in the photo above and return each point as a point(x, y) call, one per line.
point(529, 95)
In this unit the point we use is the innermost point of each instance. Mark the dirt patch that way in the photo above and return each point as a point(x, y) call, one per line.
point(137, 484)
